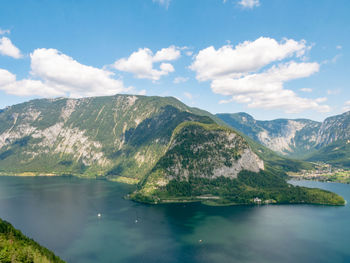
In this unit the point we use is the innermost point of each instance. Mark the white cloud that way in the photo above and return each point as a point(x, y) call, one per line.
point(4, 31)
point(167, 54)
point(265, 90)
point(9, 49)
point(56, 74)
point(188, 95)
point(339, 47)
point(229, 61)
point(25, 87)
point(141, 63)
point(346, 106)
point(164, 3)
point(306, 90)
point(6, 77)
point(240, 72)
point(178, 80)
point(249, 3)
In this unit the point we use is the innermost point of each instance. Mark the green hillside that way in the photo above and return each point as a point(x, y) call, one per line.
point(337, 154)
point(15, 247)
point(204, 163)
point(116, 135)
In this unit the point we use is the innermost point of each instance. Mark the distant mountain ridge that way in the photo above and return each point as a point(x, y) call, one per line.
point(298, 138)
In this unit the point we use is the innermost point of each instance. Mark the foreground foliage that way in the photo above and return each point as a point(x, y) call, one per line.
point(16, 247)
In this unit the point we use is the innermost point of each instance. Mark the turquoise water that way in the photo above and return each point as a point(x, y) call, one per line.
point(61, 214)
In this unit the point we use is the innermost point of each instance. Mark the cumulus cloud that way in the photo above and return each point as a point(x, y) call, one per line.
point(229, 61)
point(167, 54)
point(249, 3)
point(141, 63)
point(265, 90)
point(178, 80)
point(164, 3)
point(25, 87)
point(239, 72)
point(56, 74)
point(9, 49)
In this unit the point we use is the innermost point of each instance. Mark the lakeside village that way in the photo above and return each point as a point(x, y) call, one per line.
point(323, 172)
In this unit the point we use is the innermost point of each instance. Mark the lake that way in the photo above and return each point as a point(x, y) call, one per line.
point(61, 213)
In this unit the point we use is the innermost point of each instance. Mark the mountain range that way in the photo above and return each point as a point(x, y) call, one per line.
point(172, 151)
point(326, 141)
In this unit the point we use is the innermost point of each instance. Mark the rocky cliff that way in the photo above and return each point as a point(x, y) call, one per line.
point(299, 138)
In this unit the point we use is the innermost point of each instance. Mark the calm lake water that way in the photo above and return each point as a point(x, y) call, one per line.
point(61, 214)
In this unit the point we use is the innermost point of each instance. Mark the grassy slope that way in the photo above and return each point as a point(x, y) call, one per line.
point(337, 153)
point(15, 247)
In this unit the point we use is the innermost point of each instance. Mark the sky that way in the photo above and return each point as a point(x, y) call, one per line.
point(269, 58)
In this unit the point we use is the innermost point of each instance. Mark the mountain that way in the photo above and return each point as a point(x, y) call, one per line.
point(15, 247)
point(288, 137)
point(299, 138)
point(333, 129)
point(336, 153)
point(145, 140)
point(215, 165)
point(120, 134)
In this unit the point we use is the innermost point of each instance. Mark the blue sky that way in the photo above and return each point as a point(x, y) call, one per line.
point(269, 58)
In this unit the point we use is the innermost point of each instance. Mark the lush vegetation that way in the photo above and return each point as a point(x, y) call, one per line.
point(337, 154)
point(15, 247)
point(130, 132)
point(336, 175)
point(267, 187)
point(185, 172)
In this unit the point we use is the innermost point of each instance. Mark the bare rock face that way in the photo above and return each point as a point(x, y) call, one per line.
point(283, 141)
point(333, 129)
point(248, 161)
point(295, 138)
